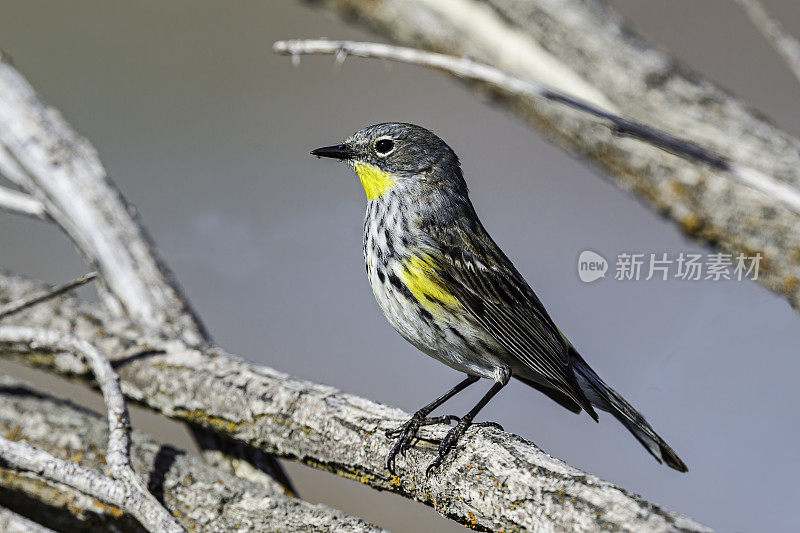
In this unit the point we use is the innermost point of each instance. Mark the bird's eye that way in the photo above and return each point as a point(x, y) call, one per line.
point(384, 146)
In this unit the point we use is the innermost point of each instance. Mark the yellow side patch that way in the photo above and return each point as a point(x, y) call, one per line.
point(374, 180)
point(419, 275)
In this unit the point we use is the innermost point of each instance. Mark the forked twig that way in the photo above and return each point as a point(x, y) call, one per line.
point(122, 488)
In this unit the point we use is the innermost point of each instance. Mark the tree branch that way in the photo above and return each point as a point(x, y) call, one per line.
point(202, 498)
point(21, 203)
point(124, 488)
point(470, 70)
point(565, 44)
point(496, 481)
point(23, 456)
point(781, 40)
point(15, 307)
point(44, 156)
point(61, 170)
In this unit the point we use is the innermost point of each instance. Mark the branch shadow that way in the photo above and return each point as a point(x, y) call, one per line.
point(162, 463)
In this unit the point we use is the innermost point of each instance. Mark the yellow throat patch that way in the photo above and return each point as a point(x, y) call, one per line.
point(374, 180)
point(419, 275)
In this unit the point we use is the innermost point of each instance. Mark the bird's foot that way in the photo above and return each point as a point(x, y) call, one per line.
point(451, 439)
point(407, 435)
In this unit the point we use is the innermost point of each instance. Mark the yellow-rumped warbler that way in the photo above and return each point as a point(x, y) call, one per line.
point(449, 290)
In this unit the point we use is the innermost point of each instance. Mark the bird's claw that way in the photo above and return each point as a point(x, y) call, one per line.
point(451, 439)
point(406, 435)
point(433, 466)
point(448, 443)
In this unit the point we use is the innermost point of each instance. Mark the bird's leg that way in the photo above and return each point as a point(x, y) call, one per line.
point(451, 439)
point(407, 433)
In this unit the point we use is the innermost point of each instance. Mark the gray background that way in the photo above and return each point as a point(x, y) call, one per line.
point(208, 134)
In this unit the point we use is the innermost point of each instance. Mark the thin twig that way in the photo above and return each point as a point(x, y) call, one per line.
point(21, 203)
point(782, 41)
point(124, 488)
point(23, 456)
point(468, 69)
point(20, 305)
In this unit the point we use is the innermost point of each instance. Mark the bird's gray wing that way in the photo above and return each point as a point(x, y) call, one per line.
point(485, 282)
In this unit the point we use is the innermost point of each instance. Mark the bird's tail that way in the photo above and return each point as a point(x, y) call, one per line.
point(604, 397)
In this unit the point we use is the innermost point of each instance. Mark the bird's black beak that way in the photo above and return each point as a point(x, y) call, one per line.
point(339, 151)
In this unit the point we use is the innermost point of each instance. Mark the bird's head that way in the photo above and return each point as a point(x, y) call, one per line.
point(395, 156)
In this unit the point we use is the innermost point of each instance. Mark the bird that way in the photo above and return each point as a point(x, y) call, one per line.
point(445, 285)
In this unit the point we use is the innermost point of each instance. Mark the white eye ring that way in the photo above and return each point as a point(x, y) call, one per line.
point(392, 146)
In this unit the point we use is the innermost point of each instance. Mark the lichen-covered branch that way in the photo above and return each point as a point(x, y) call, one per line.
point(202, 498)
point(23, 457)
point(568, 44)
point(494, 481)
point(122, 487)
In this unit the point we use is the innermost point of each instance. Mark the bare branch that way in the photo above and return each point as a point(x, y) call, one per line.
point(495, 481)
point(21, 203)
point(23, 456)
point(202, 498)
point(44, 156)
point(59, 168)
point(16, 307)
point(119, 425)
point(125, 489)
point(466, 68)
point(783, 42)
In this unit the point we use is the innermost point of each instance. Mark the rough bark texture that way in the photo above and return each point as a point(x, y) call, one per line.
point(119, 485)
point(493, 481)
point(201, 497)
point(566, 44)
